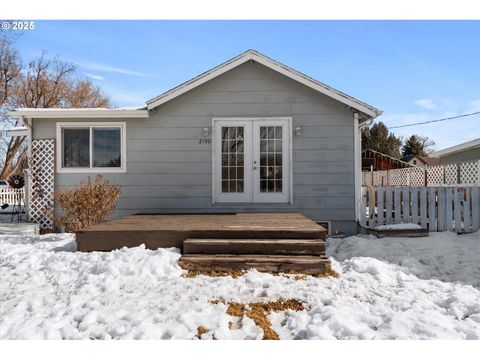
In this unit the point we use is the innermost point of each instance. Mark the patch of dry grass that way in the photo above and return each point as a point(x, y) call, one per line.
point(200, 331)
point(214, 273)
point(238, 273)
point(302, 276)
point(259, 312)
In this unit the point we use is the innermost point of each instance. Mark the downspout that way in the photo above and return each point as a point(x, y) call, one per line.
point(358, 127)
point(357, 164)
point(28, 124)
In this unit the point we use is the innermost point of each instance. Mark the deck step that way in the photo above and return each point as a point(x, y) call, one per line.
point(254, 246)
point(312, 265)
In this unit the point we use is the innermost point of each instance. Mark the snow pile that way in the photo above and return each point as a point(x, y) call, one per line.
point(48, 290)
point(444, 256)
point(401, 226)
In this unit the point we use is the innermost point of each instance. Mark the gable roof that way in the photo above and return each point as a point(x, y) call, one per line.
point(430, 161)
point(457, 148)
point(408, 158)
point(394, 162)
point(370, 111)
point(427, 160)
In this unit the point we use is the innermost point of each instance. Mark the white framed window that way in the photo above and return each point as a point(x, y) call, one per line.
point(86, 147)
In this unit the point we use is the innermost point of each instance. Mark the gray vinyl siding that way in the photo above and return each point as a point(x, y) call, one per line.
point(168, 170)
point(462, 156)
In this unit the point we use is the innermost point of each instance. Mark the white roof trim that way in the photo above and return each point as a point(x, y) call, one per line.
point(17, 131)
point(78, 113)
point(272, 64)
point(457, 148)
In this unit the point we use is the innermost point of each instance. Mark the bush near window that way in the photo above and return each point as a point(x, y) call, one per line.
point(87, 204)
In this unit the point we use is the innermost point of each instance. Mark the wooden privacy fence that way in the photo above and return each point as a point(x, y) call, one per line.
point(434, 208)
point(466, 173)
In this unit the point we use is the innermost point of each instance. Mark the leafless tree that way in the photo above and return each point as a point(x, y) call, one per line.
point(44, 83)
point(10, 74)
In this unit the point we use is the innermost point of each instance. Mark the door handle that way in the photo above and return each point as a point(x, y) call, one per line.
point(255, 165)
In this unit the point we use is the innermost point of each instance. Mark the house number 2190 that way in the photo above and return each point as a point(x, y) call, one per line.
point(205, 141)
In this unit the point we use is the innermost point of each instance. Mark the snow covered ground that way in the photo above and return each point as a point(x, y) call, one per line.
point(418, 288)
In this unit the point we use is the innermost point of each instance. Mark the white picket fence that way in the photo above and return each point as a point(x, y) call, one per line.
point(12, 197)
point(466, 173)
point(434, 208)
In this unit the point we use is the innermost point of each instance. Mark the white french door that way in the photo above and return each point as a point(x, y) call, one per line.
point(251, 160)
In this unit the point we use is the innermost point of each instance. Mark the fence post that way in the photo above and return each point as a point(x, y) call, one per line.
point(475, 209)
point(478, 172)
point(441, 209)
point(363, 207)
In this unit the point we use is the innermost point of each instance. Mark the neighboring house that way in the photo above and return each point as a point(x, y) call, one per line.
point(250, 135)
point(467, 151)
point(373, 160)
point(421, 161)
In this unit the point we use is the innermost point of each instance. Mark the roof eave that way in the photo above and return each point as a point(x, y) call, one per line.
point(45, 114)
point(457, 148)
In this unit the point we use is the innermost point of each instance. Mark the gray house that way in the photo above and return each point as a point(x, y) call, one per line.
point(464, 152)
point(250, 135)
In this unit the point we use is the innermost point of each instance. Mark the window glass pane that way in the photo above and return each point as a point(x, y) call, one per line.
point(106, 147)
point(76, 147)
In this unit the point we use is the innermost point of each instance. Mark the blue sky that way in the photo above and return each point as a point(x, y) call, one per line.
point(412, 70)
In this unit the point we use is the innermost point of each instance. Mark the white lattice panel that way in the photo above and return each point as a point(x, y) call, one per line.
point(380, 178)
point(417, 176)
point(469, 172)
point(367, 178)
point(396, 177)
point(451, 174)
point(42, 170)
point(435, 175)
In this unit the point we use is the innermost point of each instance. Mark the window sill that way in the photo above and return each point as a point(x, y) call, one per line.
point(90, 170)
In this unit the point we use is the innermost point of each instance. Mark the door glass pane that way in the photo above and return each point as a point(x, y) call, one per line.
point(232, 159)
point(76, 147)
point(263, 132)
point(271, 158)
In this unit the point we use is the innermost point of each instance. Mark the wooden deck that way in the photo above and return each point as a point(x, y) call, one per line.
point(157, 231)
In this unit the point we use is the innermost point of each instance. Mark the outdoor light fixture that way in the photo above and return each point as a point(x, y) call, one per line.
point(298, 131)
point(205, 131)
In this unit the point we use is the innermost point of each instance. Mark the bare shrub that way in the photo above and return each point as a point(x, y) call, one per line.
point(87, 204)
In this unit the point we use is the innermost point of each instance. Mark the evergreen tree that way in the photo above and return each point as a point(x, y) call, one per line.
point(417, 145)
point(378, 138)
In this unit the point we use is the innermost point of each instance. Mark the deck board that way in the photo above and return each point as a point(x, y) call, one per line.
point(254, 246)
point(171, 230)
